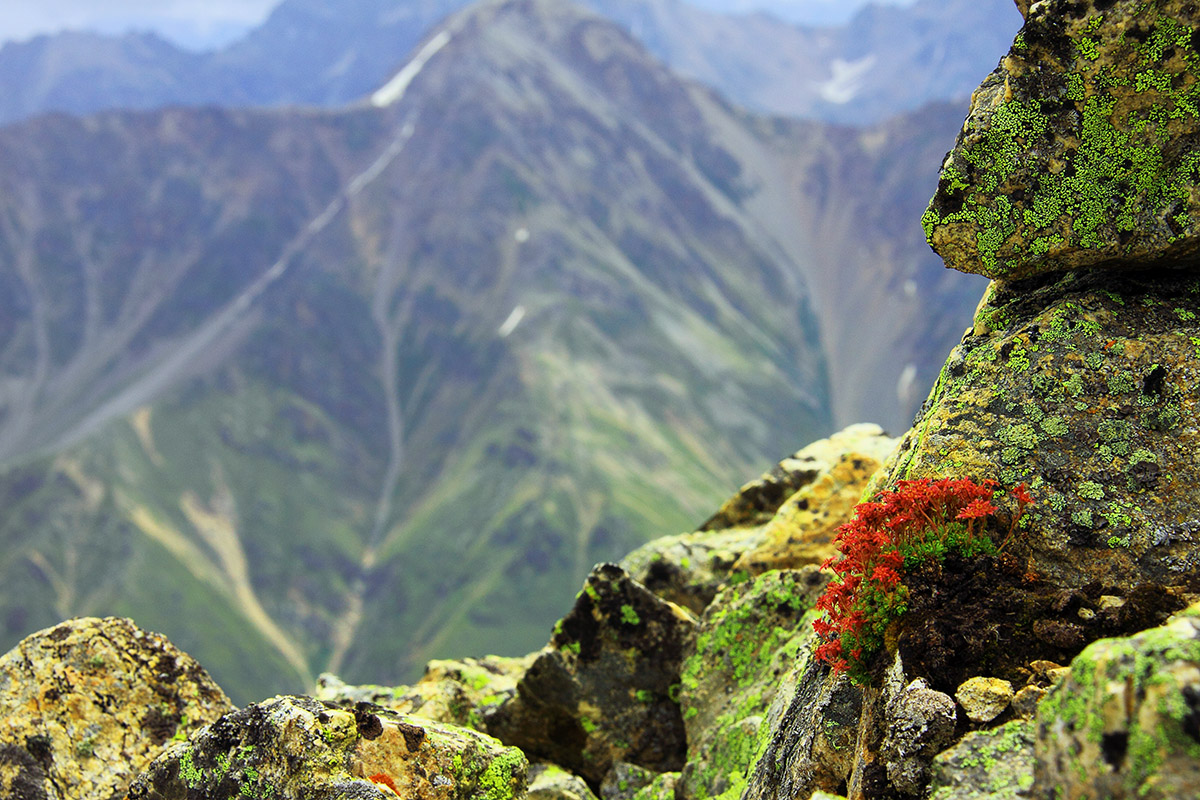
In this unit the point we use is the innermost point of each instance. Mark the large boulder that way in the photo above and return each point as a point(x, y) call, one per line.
point(1081, 149)
point(1126, 722)
point(606, 687)
point(86, 705)
point(1082, 386)
point(297, 748)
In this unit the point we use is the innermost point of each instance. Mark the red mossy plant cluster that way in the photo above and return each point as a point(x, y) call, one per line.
point(921, 521)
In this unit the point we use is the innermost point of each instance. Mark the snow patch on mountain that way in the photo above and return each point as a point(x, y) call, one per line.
point(847, 79)
point(393, 90)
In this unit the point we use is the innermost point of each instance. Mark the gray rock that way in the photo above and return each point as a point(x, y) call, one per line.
point(920, 724)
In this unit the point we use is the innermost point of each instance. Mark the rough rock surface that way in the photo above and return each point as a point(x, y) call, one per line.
point(625, 781)
point(782, 520)
point(551, 782)
point(983, 699)
point(747, 641)
point(1085, 387)
point(86, 705)
point(995, 764)
point(920, 725)
point(296, 748)
point(460, 692)
point(802, 530)
point(1126, 722)
point(1080, 150)
point(758, 501)
point(606, 687)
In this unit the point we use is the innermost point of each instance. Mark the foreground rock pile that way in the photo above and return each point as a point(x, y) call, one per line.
point(1067, 666)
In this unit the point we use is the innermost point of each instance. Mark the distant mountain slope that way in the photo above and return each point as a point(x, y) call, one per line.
point(370, 386)
point(886, 60)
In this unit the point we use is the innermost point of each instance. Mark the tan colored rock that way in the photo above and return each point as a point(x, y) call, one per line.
point(1078, 151)
point(758, 501)
point(803, 529)
point(983, 699)
point(296, 748)
point(1123, 724)
point(690, 568)
point(87, 704)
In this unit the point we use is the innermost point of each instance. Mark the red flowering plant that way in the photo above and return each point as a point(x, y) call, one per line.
point(920, 522)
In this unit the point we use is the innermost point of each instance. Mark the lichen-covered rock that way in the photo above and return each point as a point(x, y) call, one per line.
point(1126, 722)
point(624, 781)
point(296, 748)
point(783, 520)
point(661, 788)
point(995, 764)
point(1084, 386)
point(86, 705)
point(606, 687)
point(552, 782)
point(983, 699)
point(747, 641)
point(920, 724)
point(1080, 150)
point(459, 692)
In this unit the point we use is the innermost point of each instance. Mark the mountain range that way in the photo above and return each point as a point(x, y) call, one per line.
point(886, 60)
point(357, 387)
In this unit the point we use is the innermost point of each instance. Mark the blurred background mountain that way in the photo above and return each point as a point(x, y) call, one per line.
point(357, 341)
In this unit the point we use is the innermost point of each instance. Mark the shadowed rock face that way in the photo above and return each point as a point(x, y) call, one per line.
point(1081, 149)
point(85, 706)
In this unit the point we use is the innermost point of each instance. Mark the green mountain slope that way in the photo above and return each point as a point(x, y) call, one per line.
point(361, 388)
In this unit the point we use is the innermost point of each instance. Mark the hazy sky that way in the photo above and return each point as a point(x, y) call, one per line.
point(209, 23)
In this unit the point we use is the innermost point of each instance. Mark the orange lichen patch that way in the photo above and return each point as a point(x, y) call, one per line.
point(379, 777)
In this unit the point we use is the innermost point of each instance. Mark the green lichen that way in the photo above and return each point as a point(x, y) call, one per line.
point(501, 778)
point(629, 616)
point(1090, 490)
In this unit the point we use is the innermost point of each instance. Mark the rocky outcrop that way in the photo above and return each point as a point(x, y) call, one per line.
point(1126, 722)
point(459, 692)
point(993, 764)
point(606, 687)
point(784, 519)
point(1080, 149)
point(296, 748)
point(746, 645)
point(86, 705)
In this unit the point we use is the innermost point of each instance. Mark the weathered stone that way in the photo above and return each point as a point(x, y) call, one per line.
point(803, 529)
point(1082, 386)
point(87, 704)
point(1080, 150)
point(813, 731)
point(459, 692)
point(747, 641)
point(296, 748)
point(552, 782)
point(994, 764)
point(1025, 701)
point(661, 788)
point(983, 699)
point(690, 568)
point(758, 501)
point(605, 689)
point(1126, 722)
point(783, 520)
point(920, 724)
